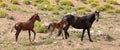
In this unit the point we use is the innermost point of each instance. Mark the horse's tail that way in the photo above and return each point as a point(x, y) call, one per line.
point(49, 26)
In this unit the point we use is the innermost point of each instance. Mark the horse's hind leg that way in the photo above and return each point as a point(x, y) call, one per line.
point(62, 35)
point(29, 35)
point(51, 32)
point(88, 30)
point(34, 35)
point(65, 30)
point(17, 34)
point(59, 32)
point(83, 34)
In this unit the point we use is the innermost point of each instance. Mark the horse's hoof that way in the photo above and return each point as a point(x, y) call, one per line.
point(81, 40)
point(91, 40)
point(66, 37)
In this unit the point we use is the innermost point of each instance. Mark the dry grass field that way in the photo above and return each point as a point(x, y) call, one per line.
point(12, 11)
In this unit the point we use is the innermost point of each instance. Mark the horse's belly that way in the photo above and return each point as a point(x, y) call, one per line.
point(24, 29)
point(79, 26)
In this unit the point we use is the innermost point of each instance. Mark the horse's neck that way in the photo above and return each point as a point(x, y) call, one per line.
point(32, 20)
point(92, 18)
point(61, 22)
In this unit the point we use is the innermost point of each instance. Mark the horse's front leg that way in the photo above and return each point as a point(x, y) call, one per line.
point(29, 35)
point(83, 34)
point(88, 30)
point(34, 35)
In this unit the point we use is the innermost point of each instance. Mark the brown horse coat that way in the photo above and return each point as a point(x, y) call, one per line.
point(28, 25)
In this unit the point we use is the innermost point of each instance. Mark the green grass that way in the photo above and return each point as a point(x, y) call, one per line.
point(47, 41)
point(78, 35)
point(90, 1)
point(57, 1)
point(94, 4)
point(108, 6)
point(52, 18)
point(111, 11)
point(114, 11)
point(42, 1)
point(101, 8)
point(38, 1)
point(27, 2)
point(13, 8)
point(40, 28)
point(104, 7)
point(83, 10)
point(14, 1)
point(55, 12)
point(110, 38)
point(112, 2)
point(66, 7)
point(45, 7)
point(59, 7)
point(66, 2)
point(2, 4)
point(34, 4)
point(117, 10)
point(3, 14)
point(0, 0)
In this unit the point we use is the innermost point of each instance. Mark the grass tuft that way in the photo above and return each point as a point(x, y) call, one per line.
point(40, 28)
point(2, 4)
point(14, 1)
point(13, 8)
point(27, 2)
point(3, 14)
point(112, 2)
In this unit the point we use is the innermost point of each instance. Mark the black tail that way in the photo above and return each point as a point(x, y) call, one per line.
point(49, 26)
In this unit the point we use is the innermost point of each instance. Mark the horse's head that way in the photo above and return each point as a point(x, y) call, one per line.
point(37, 17)
point(97, 15)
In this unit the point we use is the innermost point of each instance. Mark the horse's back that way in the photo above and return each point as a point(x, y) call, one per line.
point(23, 26)
point(77, 22)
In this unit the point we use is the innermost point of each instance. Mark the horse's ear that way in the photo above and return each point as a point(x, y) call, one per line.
point(97, 11)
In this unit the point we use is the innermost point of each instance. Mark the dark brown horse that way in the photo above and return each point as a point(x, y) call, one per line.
point(28, 25)
point(58, 26)
point(84, 23)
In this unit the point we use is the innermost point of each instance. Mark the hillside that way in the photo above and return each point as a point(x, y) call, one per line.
point(12, 11)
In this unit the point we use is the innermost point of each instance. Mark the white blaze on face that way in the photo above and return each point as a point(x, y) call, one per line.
point(96, 15)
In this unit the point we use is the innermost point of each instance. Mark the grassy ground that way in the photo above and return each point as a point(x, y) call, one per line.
point(22, 10)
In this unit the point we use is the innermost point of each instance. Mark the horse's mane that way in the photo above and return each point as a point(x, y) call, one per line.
point(33, 16)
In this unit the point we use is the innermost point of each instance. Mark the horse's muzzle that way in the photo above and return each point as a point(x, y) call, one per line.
point(39, 20)
point(97, 20)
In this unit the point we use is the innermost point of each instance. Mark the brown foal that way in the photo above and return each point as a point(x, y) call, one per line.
point(58, 26)
point(28, 25)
